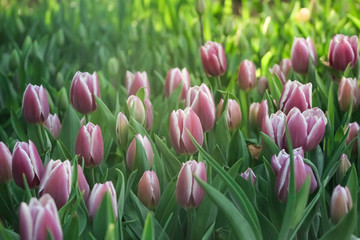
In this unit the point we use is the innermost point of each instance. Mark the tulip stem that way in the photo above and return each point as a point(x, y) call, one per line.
point(219, 82)
point(87, 118)
point(201, 30)
point(189, 222)
point(39, 131)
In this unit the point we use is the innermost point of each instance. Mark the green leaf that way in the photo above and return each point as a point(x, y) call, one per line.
point(148, 231)
point(104, 216)
point(17, 126)
point(172, 164)
point(71, 227)
point(70, 129)
point(270, 148)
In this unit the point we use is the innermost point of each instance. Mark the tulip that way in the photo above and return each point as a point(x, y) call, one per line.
point(149, 114)
point(26, 160)
point(201, 101)
point(262, 85)
point(247, 75)
point(343, 50)
point(137, 109)
point(286, 66)
point(182, 121)
point(213, 59)
point(341, 203)
point(306, 129)
point(174, 78)
point(5, 163)
point(96, 197)
point(149, 189)
point(189, 193)
point(274, 127)
point(200, 7)
point(233, 113)
point(83, 89)
point(343, 167)
point(89, 145)
point(303, 15)
point(249, 172)
point(262, 113)
point(253, 113)
point(131, 152)
point(353, 132)
point(301, 51)
point(82, 183)
point(122, 126)
point(348, 91)
point(136, 81)
point(295, 94)
point(40, 219)
point(35, 106)
point(277, 71)
point(53, 124)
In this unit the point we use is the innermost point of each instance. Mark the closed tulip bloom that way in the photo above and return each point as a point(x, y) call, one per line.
point(249, 173)
point(353, 132)
point(301, 51)
point(233, 113)
point(286, 66)
point(274, 127)
point(189, 193)
point(295, 94)
point(343, 50)
point(348, 91)
point(262, 113)
point(277, 71)
point(247, 75)
point(122, 127)
point(131, 152)
point(84, 88)
point(89, 145)
point(53, 124)
point(136, 81)
point(40, 219)
point(5, 163)
point(174, 78)
point(343, 167)
point(82, 183)
point(149, 114)
point(35, 106)
point(180, 122)
point(97, 195)
point(201, 101)
point(213, 59)
point(26, 160)
point(341, 203)
point(137, 109)
point(303, 15)
point(253, 113)
point(262, 85)
point(149, 189)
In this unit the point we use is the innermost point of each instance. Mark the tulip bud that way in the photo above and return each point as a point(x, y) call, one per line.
point(35, 106)
point(348, 91)
point(303, 15)
point(96, 197)
point(137, 109)
point(40, 219)
point(276, 70)
point(313, 182)
point(343, 167)
point(174, 78)
point(249, 172)
point(262, 85)
point(262, 113)
point(301, 51)
point(247, 75)
point(62, 100)
point(5, 163)
point(52, 123)
point(189, 193)
point(89, 145)
point(26, 160)
point(149, 189)
point(274, 127)
point(180, 122)
point(353, 132)
point(14, 60)
point(113, 66)
point(213, 59)
point(343, 51)
point(149, 114)
point(201, 101)
point(82, 183)
point(253, 113)
point(341, 203)
point(122, 126)
point(131, 152)
point(200, 7)
point(136, 81)
point(286, 66)
point(295, 94)
point(233, 113)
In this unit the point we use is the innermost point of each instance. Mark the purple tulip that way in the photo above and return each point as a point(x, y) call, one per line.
point(180, 122)
point(26, 160)
point(213, 59)
point(343, 167)
point(89, 145)
point(137, 109)
point(277, 71)
point(201, 101)
point(247, 75)
point(149, 114)
point(343, 51)
point(149, 189)
point(5, 163)
point(295, 94)
point(286, 66)
point(35, 106)
point(353, 132)
point(262, 85)
point(341, 203)
point(189, 193)
point(53, 124)
point(274, 127)
point(174, 78)
point(131, 152)
point(249, 172)
point(348, 91)
point(253, 114)
point(40, 219)
point(233, 113)
point(84, 87)
point(122, 127)
point(83, 184)
point(262, 113)
point(136, 81)
point(301, 51)
point(96, 196)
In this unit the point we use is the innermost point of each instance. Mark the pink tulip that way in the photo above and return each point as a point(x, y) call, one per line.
point(262, 85)
point(277, 71)
point(341, 203)
point(189, 193)
point(348, 91)
point(353, 132)
point(53, 124)
point(253, 114)
point(122, 127)
point(274, 127)
point(233, 113)
point(249, 172)
point(35, 106)
point(84, 88)
point(149, 114)
point(131, 152)
point(286, 66)
point(5, 163)
point(247, 75)
point(137, 109)
point(343, 167)
point(136, 81)
point(295, 94)
point(213, 59)
point(174, 78)
point(301, 51)
point(149, 189)
point(180, 122)
point(343, 51)
point(262, 113)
